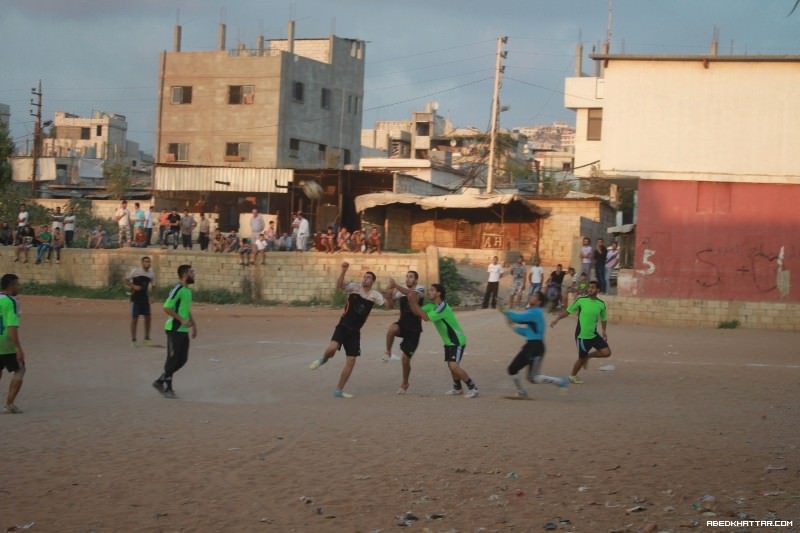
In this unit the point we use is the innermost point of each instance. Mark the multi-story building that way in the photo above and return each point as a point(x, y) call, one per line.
point(102, 136)
point(243, 119)
point(710, 142)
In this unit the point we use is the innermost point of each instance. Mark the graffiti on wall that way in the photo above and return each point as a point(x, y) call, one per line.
point(763, 269)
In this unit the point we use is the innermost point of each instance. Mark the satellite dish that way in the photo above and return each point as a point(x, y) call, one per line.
point(435, 105)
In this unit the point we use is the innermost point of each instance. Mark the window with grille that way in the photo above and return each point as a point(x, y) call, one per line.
point(182, 94)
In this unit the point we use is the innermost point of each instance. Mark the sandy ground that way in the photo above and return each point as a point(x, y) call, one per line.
point(686, 413)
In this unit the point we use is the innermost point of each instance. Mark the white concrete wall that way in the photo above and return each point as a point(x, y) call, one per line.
point(732, 121)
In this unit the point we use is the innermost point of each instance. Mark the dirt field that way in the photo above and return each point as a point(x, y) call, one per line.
point(257, 443)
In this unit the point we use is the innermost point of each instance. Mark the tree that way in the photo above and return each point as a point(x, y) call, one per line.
point(118, 177)
point(6, 151)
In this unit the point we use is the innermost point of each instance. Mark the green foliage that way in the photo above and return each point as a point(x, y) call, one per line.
point(14, 194)
point(338, 298)
point(729, 324)
point(117, 173)
point(6, 151)
point(452, 280)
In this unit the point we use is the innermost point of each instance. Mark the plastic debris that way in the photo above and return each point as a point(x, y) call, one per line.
point(606, 368)
point(636, 509)
point(771, 468)
point(512, 475)
point(494, 498)
point(306, 499)
point(19, 527)
point(584, 488)
point(266, 520)
point(549, 526)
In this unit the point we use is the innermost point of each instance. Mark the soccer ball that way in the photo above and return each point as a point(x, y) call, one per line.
point(312, 190)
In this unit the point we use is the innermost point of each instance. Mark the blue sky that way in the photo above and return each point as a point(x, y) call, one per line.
point(103, 54)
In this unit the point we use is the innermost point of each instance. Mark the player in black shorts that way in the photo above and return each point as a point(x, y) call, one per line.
point(360, 299)
point(139, 282)
point(408, 327)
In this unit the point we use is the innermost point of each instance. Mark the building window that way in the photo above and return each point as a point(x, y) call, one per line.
point(182, 94)
point(241, 94)
point(349, 103)
point(323, 151)
point(325, 99)
point(566, 166)
point(177, 152)
point(294, 148)
point(236, 152)
point(99, 131)
point(86, 134)
point(346, 156)
point(355, 106)
point(594, 126)
point(298, 91)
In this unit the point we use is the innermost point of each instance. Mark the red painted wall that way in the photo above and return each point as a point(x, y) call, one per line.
point(718, 241)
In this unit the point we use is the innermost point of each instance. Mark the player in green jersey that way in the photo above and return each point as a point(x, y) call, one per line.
point(179, 308)
point(12, 358)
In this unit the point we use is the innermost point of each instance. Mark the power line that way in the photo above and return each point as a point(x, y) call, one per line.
point(427, 95)
point(429, 52)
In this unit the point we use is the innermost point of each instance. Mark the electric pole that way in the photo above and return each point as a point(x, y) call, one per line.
point(498, 72)
point(37, 133)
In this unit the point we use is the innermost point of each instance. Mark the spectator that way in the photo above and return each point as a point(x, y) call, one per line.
point(295, 228)
point(495, 271)
point(163, 227)
point(22, 217)
point(139, 238)
point(600, 256)
point(232, 242)
point(327, 241)
point(260, 249)
point(302, 232)
point(6, 235)
point(57, 218)
point(517, 282)
point(123, 218)
point(342, 240)
point(174, 221)
point(285, 242)
point(536, 276)
point(149, 220)
point(586, 256)
point(568, 287)
point(612, 260)
point(269, 234)
point(582, 288)
point(139, 217)
point(45, 242)
point(245, 253)
point(219, 241)
point(57, 245)
point(357, 238)
point(97, 239)
point(256, 224)
point(69, 228)
point(188, 224)
point(24, 241)
point(374, 241)
point(203, 232)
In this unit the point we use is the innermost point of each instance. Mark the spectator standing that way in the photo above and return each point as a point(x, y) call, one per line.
point(568, 286)
point(495, 270)
point(97, 239)
point(295, 229)
point(138, 217)
point(256, 225)
point(188, 224)
point(536, 277)
point(69, 228)
point(163, 227)
point(174, 221)
point(612, 260)
point(22, 217)
point(203, 231)
point(587, 254)
point(303, 232)
point(517, 282)
point(123, 218)
point(149, 217)
point(600, 256)
point(57, 218)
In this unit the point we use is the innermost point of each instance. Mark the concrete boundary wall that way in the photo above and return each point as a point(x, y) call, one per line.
point(285, 276)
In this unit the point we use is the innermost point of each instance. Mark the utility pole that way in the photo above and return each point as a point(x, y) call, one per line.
point(37, 133)
point(498, 72)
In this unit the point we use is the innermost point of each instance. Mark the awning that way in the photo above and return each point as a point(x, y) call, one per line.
point(625, 228)
point(227, 179)
point(448, 201)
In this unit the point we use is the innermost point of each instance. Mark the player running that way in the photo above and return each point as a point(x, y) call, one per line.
point(409, 325)
point(441, 314)
point(530, 324)
point(12, 358)
point(179, 308)
point(591, 310)
point(360, 300)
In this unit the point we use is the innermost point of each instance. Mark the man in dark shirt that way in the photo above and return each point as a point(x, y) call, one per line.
point(174, 220)
point(600, 256)
point(139, 282)
point(408, 327)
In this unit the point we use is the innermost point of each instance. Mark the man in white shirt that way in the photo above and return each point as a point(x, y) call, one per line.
point(69, 228)
point(22, 217)
point(123, 218)
point(495, 271)
point(148, 225)
point(587, 255)
point(58, 220)
point(256, 225)
point(302, 232)
point(536, 277)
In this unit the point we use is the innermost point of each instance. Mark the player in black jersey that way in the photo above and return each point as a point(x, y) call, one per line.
point(361, 297)
point(140, 282)
point(408, 327)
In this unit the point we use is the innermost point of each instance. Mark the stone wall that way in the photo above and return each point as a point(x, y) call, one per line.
point(285, 276)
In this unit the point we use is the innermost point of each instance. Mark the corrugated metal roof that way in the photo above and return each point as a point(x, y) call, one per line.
point(221, 179)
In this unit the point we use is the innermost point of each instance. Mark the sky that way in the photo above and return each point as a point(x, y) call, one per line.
point(104, 54)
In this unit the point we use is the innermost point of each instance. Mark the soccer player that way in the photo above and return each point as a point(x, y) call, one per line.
point(441, 314)
point(530, 324)
point(179, 308)
point(139, 282)
point(591, 310)
point(408, 327)
point(12, 357)
point(361, 297)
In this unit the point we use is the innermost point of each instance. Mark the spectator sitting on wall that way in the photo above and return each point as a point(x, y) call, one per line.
point(218, 241)
point(357, 240)
point(139, 238)
point(57, 245)
point(245, 253)
point(97, 239)
point(284, 242)
point(25, 240)
point(260, 249)
point(319, 241)
point(374, 241)
point(45, 241)
point(342, 239)
point(232, 242)
point(329, 238)
point(269, 234)
point(6, 235)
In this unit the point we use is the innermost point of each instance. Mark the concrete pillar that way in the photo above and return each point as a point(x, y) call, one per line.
point(221, 38)
point(290, 37)
point(176, 39)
